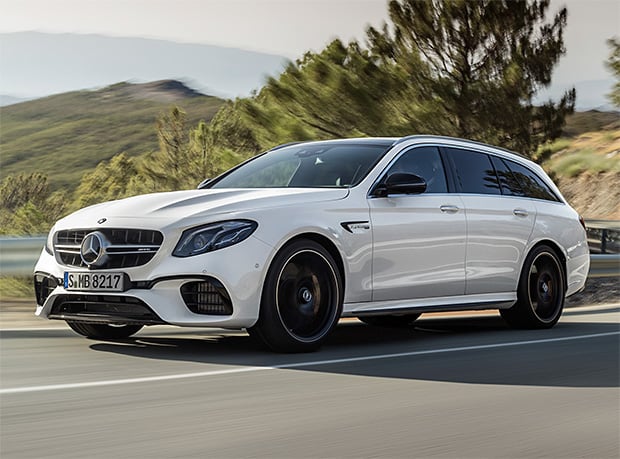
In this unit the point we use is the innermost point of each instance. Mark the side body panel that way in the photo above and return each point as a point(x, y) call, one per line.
point(418, 249)
point(498, 232)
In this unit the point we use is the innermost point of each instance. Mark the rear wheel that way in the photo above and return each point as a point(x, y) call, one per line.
point(541, 292)
point(392, 321)
point(103, 331)
point(302, 299)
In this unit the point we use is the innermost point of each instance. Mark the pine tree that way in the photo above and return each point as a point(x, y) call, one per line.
point(613, 63)
point(109, 180)
point(478, 65)
point(27, 206)
point(199, 148)
point(168, 168)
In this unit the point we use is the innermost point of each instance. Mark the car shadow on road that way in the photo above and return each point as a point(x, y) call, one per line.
point(462, 350)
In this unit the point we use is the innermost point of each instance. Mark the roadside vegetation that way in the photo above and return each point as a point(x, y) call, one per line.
point(586, 166)
point(16, 287)
point(590, 143)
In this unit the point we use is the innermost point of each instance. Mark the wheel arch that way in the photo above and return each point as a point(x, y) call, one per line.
point(269, 326)
point(328, 245)
point(558, 252)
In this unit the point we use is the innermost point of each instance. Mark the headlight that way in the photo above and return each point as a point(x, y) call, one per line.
point(212, 237)
point(49, 242)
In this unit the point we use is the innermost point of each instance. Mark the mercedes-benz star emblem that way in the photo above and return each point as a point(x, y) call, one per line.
point(93, 249)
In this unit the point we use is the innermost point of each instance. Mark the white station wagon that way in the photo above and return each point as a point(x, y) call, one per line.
point(287, 243)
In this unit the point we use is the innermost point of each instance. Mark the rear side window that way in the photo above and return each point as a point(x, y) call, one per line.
point(531, 184)
point(507, 180)
point(474, 172)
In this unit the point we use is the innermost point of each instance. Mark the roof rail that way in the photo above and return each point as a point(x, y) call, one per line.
point(444, 137)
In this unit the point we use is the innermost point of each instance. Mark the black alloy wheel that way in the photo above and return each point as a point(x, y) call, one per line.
point(541, 291)
point(302, 299)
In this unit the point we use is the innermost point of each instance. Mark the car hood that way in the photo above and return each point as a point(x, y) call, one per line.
point(196, 204)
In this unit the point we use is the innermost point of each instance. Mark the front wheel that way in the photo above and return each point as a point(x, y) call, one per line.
point(541, 291)
point(103, 331)
point(302, 299)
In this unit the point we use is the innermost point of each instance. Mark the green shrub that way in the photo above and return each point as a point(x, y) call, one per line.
point(573, 164)
point(16, 287)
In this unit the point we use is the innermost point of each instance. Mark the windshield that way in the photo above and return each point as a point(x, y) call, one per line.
point(317, 164)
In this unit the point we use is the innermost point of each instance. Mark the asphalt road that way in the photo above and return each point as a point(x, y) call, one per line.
point(457, 387)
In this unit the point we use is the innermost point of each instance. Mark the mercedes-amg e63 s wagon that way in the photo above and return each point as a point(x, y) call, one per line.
point(287, 243)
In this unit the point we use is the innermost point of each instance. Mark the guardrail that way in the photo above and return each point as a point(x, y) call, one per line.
point(602, 265)
point(603, 236)
point(19, 255)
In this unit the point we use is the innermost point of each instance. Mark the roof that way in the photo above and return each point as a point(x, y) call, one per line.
point(391, 141)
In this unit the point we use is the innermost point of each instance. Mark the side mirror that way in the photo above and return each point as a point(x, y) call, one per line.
point(203, 183)
point(401, 183)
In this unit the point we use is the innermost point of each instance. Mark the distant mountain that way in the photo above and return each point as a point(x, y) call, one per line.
point(591, 94)
point(38, 64)
point(10, 100)
point(591, 121)
point(68, 134)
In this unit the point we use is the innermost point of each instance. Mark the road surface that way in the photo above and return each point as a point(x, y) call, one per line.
point(451, 387)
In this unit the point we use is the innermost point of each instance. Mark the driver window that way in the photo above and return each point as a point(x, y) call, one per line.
point(426, 163)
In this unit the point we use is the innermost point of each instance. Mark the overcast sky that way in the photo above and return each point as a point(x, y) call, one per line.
point(285, 27)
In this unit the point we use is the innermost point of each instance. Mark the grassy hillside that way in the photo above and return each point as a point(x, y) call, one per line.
point(68, 134)
point(589, 121)
point(586, 163)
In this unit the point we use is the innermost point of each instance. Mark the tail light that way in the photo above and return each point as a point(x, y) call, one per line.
point(582, 221)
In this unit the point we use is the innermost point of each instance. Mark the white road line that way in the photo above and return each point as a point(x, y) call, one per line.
point(147, 379)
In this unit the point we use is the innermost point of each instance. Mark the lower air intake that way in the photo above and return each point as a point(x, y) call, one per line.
point(43, 286)
point(207, 297)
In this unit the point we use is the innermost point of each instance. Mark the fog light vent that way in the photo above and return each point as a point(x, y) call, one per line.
point(43, 286)
point(207, 297)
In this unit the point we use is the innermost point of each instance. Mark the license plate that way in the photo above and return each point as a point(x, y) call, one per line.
point(95, 282)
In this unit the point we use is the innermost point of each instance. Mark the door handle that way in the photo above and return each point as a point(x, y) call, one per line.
point(449, 209)
point(520, 212)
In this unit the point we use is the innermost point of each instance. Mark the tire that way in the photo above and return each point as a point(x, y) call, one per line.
point(540, 293)
point(302, 299)
point(103, 331)
point(392, 321)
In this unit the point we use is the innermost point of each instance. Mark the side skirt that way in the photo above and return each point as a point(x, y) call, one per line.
point(438, 304)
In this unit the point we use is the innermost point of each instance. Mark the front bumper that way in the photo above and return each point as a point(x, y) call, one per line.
point(154, 291)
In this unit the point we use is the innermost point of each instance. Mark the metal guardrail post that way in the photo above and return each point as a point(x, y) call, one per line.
point(603, 236)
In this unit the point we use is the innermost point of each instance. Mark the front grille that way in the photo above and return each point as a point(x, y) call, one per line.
point(43, 287)
point(103, 308)
point(127, 247)
point(207, 297)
